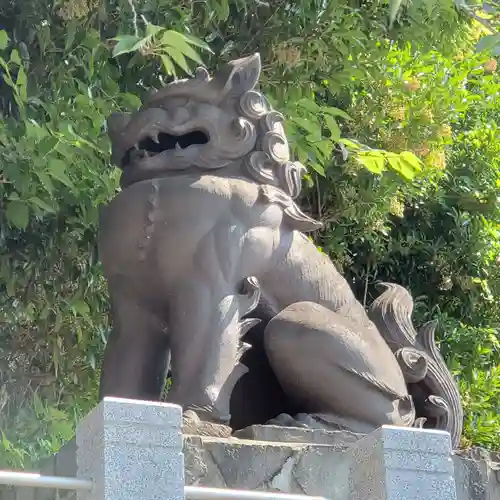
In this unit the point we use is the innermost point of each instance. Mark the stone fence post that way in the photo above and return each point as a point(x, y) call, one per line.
point(131, 450)
point(395, 463)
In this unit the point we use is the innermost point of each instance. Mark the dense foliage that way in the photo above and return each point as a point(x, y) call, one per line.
point(391, 108)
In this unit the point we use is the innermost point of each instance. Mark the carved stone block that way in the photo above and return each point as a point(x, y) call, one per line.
point(131, 450)
point(402, 464)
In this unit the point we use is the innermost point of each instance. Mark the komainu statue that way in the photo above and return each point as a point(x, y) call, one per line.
point(211, 277)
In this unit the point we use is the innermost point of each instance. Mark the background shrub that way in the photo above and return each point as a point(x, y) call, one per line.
point(395, 117)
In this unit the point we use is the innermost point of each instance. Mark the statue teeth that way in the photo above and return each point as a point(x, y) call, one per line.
point(178, 147)
point(154, 136)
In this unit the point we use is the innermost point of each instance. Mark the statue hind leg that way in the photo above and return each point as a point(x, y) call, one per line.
point(136, 357)
point(329, 368)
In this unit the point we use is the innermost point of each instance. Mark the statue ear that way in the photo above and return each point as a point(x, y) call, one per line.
point(238, 76)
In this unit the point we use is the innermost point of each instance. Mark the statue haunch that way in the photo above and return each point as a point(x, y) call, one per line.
point(205, 241)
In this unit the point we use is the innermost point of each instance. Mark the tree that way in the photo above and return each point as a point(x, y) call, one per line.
point(384, 139)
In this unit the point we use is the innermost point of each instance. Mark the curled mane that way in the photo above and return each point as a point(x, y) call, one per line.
point(234, 87)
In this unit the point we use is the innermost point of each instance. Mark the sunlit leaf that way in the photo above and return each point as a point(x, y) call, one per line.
point(174, 40)
point(14, 57)
point(152, 29)
point(179, 59)
point(4, 40)
point(374, 162)
point(197, 42)
point(317, 168)
point(406, 168)
point(126, 44)
point(168, 65)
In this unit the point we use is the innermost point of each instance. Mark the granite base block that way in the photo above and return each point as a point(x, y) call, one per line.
point(290, 460)
point(319, 468)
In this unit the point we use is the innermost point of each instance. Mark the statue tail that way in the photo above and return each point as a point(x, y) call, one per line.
point(436, 395)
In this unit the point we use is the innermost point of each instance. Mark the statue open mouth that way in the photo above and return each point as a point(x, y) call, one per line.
point(156, 144)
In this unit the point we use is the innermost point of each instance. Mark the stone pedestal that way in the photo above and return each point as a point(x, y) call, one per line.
point(131, 450)
point(314, 462)
point(402, 464)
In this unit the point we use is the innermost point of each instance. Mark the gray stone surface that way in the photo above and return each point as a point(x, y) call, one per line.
point(286, 467)
point(274, 464)
point(314, 469)
point(478, 472)
point(298, 435)
point(402, 464)
point(131, 450)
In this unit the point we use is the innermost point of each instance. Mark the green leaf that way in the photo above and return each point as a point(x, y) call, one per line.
point(80, 307)
point(333, 127)
point(70, 34)
point(168, 65)
point(324, 148)
point(398, 164)
point(42, 204)
point(126, 44)
point(317, 168)
point(221, 7)
point(5, 442)
point(197, 42)
point(46, 145)
point(394, 8)
point(21, 83)
point(152, 29)
point(4, 40)
point(179, 59)
point(309, 105)
point(57, 170)
point(353, 145)
point(412, 160)
point(45, 182)
point(308, 126)
point(173, 39)
point(406, 164)
point(335, 112)
point(131, 100)
point(374, 162)
point(14, 57)
point(17, 213)
point(37, 403)
point(487, 43)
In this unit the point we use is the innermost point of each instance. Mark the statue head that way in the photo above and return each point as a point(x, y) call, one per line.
point(206, 123)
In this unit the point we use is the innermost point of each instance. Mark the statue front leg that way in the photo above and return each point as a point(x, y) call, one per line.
point(205, 333)
point(136, 357)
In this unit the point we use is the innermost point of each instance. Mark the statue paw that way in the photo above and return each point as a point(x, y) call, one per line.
point(285, 420)
point(194, 425)
point(319, 421)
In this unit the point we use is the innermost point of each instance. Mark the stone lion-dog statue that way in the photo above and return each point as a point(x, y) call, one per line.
point(212, 280)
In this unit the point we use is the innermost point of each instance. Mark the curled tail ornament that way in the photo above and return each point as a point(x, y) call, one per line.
point(436, 395)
